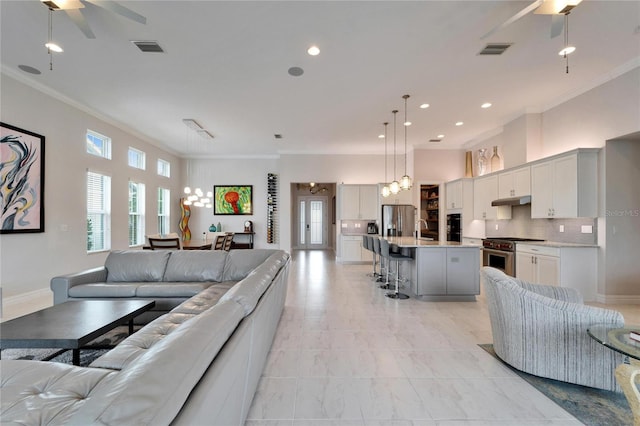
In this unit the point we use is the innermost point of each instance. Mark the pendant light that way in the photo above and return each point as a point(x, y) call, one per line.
point(50, 44)
point(394, 187)
point(385, 189)
point(405, 181)
point(567, 48)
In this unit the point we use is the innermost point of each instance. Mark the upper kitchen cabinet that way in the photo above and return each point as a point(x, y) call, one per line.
point(359, 202)
point(485, 190)
point(459, 194)
point(514, 183)
point(565, 186)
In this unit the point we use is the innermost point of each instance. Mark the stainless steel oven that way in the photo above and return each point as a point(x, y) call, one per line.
point(500, 253)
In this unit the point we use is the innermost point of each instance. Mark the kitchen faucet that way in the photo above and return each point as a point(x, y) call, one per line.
point(418, 226)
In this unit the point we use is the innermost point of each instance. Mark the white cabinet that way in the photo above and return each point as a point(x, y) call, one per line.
point(446, 271)
point(514, 183)
point(565, 266)
point(565, 186)
point(359, 202)
point(459, 194)
point(352, 250)
point(485, 190)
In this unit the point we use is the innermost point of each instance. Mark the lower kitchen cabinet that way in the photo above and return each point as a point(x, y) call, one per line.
point(565, 266)
point(352, 250)
point(446, 271)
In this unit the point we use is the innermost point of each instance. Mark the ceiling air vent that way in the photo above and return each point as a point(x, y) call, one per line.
point(435, 140)
point(495, 48)
point(277, 136)
point(148, 46)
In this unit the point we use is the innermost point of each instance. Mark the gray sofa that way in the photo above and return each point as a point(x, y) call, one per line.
point(542, 330)
point(198, 364)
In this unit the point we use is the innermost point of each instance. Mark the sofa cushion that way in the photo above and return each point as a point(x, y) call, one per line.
point(136, 265)
point(241, 262)
point(205, 299)
point(186, 289)
point(111, 290)
point(195, 265)
point(45, 393)
point(153, 389)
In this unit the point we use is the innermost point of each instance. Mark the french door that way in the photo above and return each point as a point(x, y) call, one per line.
point(312, 222)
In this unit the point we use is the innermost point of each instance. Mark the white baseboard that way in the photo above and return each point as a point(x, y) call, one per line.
point(20, 303)
point(618, 300)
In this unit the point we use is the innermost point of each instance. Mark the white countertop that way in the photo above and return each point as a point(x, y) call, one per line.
point(420, 243)
point(554, 244)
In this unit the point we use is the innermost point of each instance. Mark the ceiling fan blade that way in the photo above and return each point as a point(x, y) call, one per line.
point(118, 9)
point(514, 18)
point(557, 25)
point(78, 18)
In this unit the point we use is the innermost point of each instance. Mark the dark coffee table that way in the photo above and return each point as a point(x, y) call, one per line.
point(70, 325)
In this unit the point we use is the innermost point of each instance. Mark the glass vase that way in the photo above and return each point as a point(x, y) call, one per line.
point(483, 162)
point(496, 164)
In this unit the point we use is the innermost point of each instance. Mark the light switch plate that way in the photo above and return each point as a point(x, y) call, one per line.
point(587, 229)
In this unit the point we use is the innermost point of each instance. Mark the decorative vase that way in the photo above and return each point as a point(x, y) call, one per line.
point(184, 221)
point(495, 160)
point(468, 166)
point(483, 162)
point(212, 228)
point(219, 226)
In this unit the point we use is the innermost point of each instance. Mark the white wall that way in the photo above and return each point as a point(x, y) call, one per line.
point(29, 261)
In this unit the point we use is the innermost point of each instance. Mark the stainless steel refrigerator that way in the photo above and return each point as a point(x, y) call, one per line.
point(398, 220)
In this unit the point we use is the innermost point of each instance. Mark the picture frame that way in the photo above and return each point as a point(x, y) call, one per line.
point(233, 199)
point(22, 179)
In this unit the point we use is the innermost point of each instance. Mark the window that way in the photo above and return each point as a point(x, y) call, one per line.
point(164, 211)
point(164, 168)
point(98, 145)
point(136, 158)
point(136, 214)
point(98, 212)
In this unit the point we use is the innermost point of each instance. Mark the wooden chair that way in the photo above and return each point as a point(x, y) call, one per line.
point(219, 243)
point(164, 243)
point(228, 241)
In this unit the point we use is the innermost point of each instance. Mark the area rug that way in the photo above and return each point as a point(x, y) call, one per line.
point(593, 407)
point(88, 354)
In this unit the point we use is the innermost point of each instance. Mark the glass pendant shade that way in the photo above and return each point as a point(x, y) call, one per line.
point(394, 187)
point(405, 182)
point(385, 191)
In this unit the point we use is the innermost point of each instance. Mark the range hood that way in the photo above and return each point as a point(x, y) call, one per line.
point(513, 201)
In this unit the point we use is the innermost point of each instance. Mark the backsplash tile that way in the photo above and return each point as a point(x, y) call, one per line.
point(521, 225)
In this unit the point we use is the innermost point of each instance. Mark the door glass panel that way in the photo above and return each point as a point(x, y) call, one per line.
point(315, 221)
point(302, 215)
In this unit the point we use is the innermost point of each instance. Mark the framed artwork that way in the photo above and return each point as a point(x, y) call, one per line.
point(233, 199)
point(21, 180)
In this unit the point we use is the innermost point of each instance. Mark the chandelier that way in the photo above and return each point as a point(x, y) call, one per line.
point(196, 197)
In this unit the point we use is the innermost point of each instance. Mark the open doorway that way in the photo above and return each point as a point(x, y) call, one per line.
point(313, 215)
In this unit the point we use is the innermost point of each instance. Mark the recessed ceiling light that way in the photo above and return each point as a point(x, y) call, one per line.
point(295, 71)
point(459, 123)
point(381, 136)
point(567, 50)
point(30, 70)
point(407, 123)
point(313, 51)
point(440, 136)
point(485, 105)
point(424, 106)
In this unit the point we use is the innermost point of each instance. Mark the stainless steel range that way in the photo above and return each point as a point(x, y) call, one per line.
point(499, 253)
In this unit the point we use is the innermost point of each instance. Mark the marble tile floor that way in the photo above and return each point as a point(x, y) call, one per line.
point(346, 355)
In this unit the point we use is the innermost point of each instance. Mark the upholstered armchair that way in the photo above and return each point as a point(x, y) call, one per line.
point(542, 330)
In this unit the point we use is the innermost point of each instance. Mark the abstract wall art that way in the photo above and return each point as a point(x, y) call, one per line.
point(21, 180)
point(232, 199)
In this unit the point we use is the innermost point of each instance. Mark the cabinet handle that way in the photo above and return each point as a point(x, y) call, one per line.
point(532, 260)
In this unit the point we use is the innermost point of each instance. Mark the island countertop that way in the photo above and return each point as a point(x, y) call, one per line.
point(413, 242)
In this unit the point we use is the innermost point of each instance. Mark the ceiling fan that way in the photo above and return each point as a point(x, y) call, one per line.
point(73, 8)
point(558, 9)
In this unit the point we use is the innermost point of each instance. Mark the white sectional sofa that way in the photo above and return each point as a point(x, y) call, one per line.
point(198, 364)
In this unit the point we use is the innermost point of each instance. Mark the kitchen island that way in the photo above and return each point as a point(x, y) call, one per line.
point(440, 270)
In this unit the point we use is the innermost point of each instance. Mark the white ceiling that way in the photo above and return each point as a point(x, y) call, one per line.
point(226, 67)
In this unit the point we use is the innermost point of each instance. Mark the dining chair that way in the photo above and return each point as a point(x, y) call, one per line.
point(164, 243)
point(219, 243)
point(228, 240)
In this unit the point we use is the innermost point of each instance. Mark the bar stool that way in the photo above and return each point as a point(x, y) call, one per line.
point(384, 265)
point(397, 258)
